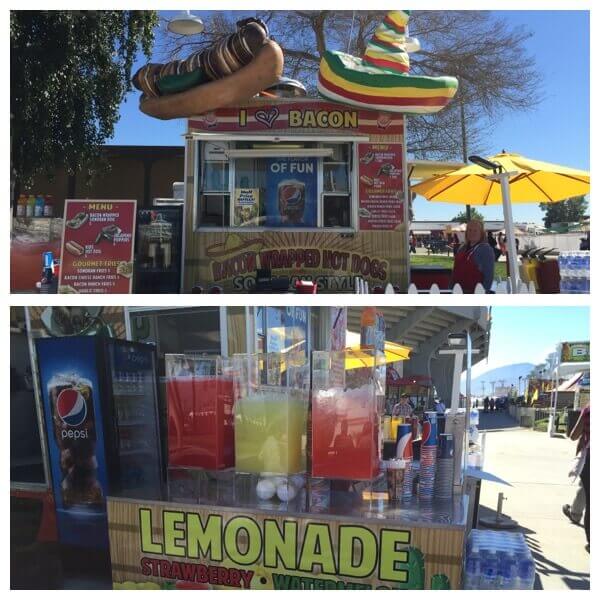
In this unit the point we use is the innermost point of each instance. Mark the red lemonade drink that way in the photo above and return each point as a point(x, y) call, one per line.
point(200, 422)
point(345, 434)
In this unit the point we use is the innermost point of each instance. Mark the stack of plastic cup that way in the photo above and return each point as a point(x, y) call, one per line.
point(404, 451)
point(444, 475)
point(428, 457)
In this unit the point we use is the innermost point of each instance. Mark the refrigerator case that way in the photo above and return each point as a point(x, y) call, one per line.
point(100, 406)
point(158, 250)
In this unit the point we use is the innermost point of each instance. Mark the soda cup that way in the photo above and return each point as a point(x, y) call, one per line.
point(429, 432)
point(446, 446)
point(394, 473)
point(404, 449)
point(291, 199)
point(75, 434)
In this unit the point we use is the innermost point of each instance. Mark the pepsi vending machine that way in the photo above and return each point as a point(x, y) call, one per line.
point(158, 251)
point(101, 415)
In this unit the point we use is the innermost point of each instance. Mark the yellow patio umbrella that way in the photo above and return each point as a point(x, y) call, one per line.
point(506, 178)
point(357, 357)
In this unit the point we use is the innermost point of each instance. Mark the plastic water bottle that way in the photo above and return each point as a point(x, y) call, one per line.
point(472, 572)
point(474, 416)
point(525, 574)
point(489, 574)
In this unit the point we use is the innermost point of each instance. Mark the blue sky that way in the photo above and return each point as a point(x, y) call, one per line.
point(556, 131)
point(528, 334)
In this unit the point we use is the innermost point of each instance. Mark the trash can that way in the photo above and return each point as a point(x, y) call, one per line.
point(572, 417)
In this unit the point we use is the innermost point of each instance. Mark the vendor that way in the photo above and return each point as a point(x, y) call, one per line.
point(403, 408)
point(474, 260)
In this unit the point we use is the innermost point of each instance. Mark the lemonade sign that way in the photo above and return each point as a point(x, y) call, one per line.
point(203, 548)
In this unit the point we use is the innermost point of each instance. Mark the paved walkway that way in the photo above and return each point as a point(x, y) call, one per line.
point(537, 466)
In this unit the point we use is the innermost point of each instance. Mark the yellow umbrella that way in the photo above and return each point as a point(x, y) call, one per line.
point(357, 357)
point(515, 180)
point(532, 181)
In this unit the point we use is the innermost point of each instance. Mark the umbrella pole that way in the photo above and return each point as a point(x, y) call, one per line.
point(510, 230)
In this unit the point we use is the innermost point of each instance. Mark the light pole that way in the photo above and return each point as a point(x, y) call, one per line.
point(503, 177)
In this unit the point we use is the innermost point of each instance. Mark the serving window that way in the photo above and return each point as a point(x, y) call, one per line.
point(299, 184)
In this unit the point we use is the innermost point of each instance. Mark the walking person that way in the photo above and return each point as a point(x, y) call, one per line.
point(581, 434)
point(575, 511)
point(412, 243)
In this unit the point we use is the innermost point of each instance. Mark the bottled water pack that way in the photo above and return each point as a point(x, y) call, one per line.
point(498, 560)
point(574, 272)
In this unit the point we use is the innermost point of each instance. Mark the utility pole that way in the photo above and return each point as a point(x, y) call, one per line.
point(463, 135)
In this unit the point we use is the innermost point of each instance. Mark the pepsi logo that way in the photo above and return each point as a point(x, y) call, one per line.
point(71, 407)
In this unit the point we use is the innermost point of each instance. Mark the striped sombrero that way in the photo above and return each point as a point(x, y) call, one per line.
point(380, 79)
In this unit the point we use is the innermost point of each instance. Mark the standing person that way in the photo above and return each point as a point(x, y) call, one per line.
point(440, 407)
point(403, 408)
point(492, 404)
point(474, 260)
point(493, 243)
point(581, 434)
point(486, 404)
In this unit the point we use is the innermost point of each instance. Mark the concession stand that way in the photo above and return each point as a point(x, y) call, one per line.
point(303, 188)
point(280, 467)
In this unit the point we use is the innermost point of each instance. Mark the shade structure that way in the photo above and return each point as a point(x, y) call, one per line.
point(521, 181)
point(535, 181)
point(358, 358)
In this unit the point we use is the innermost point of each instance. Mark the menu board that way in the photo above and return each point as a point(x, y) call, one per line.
point(97, 251)
point(380, 186)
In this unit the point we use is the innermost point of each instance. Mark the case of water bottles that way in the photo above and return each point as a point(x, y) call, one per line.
point(574, 272)
point(498, 560)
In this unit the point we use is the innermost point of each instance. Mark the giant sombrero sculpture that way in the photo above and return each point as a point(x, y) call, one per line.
point(380, 79)
point(230, 72)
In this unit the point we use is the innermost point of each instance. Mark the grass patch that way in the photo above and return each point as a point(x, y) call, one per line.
point(541, 425)
point(447, 262)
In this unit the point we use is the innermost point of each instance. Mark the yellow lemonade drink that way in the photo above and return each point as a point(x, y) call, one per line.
point(270, 431)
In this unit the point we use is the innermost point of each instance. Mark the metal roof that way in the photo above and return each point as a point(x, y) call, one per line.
point(417, 326)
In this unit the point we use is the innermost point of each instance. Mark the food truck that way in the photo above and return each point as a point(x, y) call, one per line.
point(305, 188)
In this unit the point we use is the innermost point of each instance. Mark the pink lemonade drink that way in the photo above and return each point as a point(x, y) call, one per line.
point(345, 434)
point(200, 430)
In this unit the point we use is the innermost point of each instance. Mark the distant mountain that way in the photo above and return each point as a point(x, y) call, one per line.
point(509, 374)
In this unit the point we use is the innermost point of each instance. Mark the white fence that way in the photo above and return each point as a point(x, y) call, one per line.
point(502, 287)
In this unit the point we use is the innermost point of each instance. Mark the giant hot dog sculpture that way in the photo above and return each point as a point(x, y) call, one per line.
point(230, 72)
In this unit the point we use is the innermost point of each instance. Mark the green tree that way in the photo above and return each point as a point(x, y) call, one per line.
point(70, 71)
point(461, 217)
point(569, 211)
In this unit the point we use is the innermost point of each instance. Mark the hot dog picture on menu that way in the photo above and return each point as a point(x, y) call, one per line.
point(97, 255)
point(380, 186)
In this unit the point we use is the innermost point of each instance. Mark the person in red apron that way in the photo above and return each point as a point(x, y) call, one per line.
point(474, 260)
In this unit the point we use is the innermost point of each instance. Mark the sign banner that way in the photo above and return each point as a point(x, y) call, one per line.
point(179, 546)
point(575, 352)
point(299, 116)
point(333, 262)
point(291, 192)
point(246, 206)
point(97, 250)
point(380, 186)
